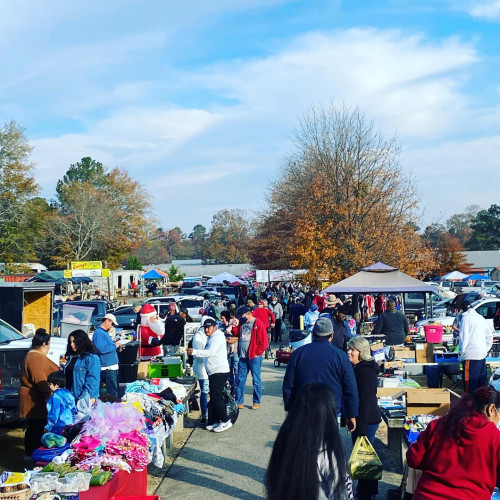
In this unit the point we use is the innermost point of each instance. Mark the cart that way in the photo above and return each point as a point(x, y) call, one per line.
point(269, 350)
point(282, 356)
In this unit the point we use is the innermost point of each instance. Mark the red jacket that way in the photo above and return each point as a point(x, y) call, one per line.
point(265, 315)
point(319, 300)
point(464, 471)
point(258, 342)
point(146, 349)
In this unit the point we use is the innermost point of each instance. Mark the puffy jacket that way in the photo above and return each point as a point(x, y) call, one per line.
point(61, 410)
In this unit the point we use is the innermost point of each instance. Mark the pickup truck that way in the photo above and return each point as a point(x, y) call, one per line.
point(13, 349)
point(101, 307)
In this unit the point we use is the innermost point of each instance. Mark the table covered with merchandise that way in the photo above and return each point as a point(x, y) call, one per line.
point(107, 454)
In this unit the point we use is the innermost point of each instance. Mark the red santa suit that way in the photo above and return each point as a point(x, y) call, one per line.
point(150, 329)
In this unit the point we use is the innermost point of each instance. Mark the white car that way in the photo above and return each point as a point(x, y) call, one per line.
point(13, 349)
point(194, 304)
point(485, 307)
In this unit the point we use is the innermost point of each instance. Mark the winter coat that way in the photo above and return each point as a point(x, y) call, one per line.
point(366, 373)
point(35, 391)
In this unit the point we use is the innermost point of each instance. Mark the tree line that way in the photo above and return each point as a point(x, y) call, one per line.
point(341, 200)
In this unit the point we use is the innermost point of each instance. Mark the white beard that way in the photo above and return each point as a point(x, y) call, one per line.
point(157, 327)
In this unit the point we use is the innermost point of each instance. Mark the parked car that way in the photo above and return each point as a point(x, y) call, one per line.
point(414, 303)
point(13, 349)
point(485, 307)
point(195, 306)
point(233, 293)
point(125, 316)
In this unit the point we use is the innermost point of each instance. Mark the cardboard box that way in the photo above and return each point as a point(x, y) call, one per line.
point(427, 401)
point(377, 346)
point(142, 370)
point(424, 353)
point(406, 354)
point(388, 365)
point(393, 392)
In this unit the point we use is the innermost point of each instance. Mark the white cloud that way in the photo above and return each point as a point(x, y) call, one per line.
point(487, 10)
point(406, 82)
point(136, 138)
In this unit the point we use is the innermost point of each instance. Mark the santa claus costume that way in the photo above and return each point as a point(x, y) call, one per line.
point(150, 330)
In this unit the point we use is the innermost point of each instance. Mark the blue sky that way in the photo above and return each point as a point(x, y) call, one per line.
point(198, 100)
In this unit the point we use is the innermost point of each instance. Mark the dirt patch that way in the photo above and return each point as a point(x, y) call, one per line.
point(12, 449)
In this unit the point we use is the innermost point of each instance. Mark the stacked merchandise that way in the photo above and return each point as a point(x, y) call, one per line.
point(415, 424)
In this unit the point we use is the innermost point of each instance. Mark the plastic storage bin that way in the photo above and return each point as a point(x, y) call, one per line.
point(129, 353)
point(434, 333)
point(168, 369)
point(66, 328)
point(128, 372)
point(76, 314)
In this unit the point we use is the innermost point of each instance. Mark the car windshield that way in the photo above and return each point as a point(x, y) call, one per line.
point(191, 303)
point(8, 333)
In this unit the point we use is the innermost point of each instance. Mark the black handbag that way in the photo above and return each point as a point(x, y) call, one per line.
point(232, 410)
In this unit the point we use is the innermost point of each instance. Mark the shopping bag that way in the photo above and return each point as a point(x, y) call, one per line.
point(364, 462)
point(232, 410)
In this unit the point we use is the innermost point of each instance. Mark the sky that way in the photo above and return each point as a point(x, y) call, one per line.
point(198, 100)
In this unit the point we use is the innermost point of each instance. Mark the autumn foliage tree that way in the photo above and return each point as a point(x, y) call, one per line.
point(229, 238)
point(102, 215)
point(342, 201)
point(18, 215)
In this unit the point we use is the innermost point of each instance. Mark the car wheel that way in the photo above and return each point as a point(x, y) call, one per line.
point(276, 363)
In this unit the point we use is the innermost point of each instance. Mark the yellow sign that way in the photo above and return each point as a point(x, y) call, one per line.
point(105, 273)
point(68, 273)
point(86, 265)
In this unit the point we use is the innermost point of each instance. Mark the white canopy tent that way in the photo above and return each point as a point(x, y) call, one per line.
point(222, 277)
point(454, 275)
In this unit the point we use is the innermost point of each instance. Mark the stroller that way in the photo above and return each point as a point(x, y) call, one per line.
point(269, 350)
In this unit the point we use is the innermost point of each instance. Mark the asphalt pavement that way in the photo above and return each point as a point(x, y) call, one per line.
point(232, 464)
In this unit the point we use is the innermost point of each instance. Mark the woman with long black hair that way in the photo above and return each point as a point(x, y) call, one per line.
point(308, 460)
point(459, 453)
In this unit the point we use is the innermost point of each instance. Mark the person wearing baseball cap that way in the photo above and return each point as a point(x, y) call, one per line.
point(215, 358)
point(107, 350)
point(321, 361)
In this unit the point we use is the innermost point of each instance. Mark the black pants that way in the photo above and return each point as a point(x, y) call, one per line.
point(35, 429)
point(216, 384)
point(277, 331)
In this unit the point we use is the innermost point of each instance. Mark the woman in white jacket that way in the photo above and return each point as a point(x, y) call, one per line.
point(199, 342)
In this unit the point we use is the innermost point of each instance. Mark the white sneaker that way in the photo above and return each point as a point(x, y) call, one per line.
point(224, 426)
point(212, 426)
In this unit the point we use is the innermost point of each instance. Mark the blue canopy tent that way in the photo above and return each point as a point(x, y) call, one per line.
point(154, 274)
point(477, 277)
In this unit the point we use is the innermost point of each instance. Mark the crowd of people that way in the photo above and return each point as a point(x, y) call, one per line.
point(329, 383)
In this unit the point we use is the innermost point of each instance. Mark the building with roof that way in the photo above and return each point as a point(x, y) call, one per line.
point(484, 262)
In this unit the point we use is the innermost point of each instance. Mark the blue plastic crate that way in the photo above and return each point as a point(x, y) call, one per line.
point(446, 357)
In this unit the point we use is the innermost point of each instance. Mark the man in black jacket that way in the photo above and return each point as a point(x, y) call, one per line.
point(296, 311)
point(174, 330)
point(320, 361)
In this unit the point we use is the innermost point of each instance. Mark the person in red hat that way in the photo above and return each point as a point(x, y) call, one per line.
point(151, 328)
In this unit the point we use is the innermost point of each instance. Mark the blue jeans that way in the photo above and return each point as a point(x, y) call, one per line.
point(203, 396)
point(233, 371)
point(110, 378)
point(366, 487)
point(244, 366)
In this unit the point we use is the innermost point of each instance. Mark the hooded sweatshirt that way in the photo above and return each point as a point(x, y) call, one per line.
point(61, 410)
point(366, 373)
point(462, 469)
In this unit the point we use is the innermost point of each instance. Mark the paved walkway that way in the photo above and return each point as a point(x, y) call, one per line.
point(232, 464)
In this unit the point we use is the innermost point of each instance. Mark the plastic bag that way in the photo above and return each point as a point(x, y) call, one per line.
point(364, 463)
point(232, 410)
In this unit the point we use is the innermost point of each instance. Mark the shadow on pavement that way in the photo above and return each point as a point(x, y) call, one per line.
point(230, 464)
point(199, 478)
